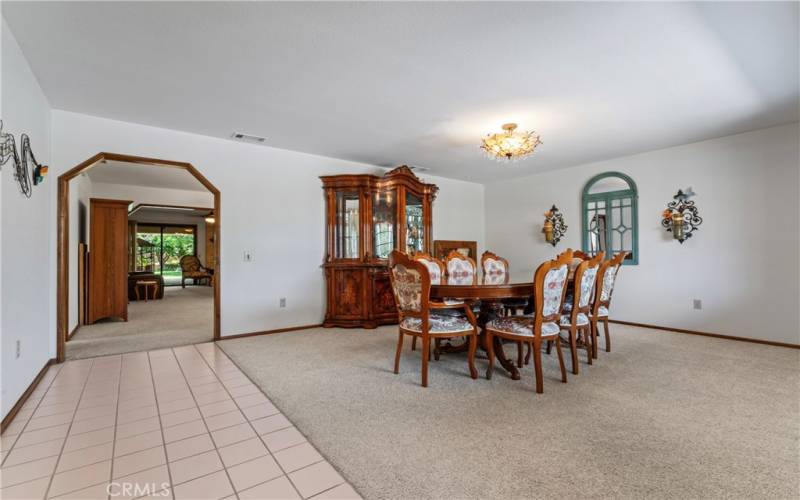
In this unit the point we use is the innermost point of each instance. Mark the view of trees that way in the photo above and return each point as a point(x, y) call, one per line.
point(175, 246)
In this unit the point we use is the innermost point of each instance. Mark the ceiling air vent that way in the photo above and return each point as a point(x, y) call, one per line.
point(238, 136)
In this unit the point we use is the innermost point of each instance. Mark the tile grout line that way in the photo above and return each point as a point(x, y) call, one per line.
point(217, 347)
point(38, 404)
point(66, 436)
point(160, 427)
point(216, 449)
point(250, 423)
point(116, 421)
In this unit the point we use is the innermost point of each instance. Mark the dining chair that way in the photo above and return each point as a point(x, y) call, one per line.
point(575, 313)
point(495, 272)
point(419, 317)
point(549, 288)
point(436, 272)
point(606, 279)
point(461, 270)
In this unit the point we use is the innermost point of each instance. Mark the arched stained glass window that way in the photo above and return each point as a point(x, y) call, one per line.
point(610, 216)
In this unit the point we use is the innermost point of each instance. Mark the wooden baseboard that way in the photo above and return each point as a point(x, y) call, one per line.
point(25, 395)
point(268, 332)
point(73, 332)
point(706, 334)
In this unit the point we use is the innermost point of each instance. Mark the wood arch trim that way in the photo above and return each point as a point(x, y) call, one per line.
point(62, 242)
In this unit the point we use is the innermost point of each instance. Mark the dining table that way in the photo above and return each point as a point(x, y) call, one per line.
point(490, 291)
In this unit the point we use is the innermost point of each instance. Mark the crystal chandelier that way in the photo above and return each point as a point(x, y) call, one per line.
point(509, 146)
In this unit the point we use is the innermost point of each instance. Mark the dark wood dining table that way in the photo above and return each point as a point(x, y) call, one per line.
point(491, 291)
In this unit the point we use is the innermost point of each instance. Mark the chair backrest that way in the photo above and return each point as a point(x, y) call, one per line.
point(549, 289)
point(585, 280)
point(578, 254)
point(434, 265)
point(461, 270)
point(606, 278)
point(411, 285)
point(495, 268)
point(190, 263)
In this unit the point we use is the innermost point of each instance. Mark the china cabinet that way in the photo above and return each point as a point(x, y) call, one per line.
point(367, 217)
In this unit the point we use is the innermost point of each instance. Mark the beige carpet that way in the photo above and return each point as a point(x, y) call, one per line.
point(184, 316)
point(665, 415)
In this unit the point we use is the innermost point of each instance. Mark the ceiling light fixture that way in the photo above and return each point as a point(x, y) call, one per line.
point(510, 146)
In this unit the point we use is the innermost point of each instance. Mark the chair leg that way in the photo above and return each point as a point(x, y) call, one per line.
point(549, 346)
point(537, 365)
point(589, 343)
point(573, 348)
point(519, 354)
point(489, 353)
point(528, 355)
point(426, 353)
point(473, 346)
point(561, 362)
point(594, 327)
point(437, 343)
point(414, 343)
point(183, 282)
point(608, 337)
point(397, 353)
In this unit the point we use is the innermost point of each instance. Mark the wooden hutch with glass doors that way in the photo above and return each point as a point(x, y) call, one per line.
point(367, 217)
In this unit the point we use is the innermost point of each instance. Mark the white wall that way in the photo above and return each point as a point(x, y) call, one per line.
point(742, 262)
point(80, 190)
point(272, 206)
point(26, 228)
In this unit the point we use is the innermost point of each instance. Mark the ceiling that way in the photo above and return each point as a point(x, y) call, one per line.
point(421, 83)
point(156, 213)
point(136, 174)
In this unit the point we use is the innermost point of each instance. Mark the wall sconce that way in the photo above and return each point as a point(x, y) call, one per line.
point(681, 217)
point(8, 151)
point(554, 227)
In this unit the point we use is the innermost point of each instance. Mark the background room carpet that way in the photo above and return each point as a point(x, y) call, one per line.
point(184, 316)
point(664, 415)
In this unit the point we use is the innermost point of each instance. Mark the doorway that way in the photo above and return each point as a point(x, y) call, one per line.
point(165, 232)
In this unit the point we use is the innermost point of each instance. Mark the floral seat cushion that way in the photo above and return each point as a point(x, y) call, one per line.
point(582, 319)
point(521, 325)
point(438, 323)
point(602, 311)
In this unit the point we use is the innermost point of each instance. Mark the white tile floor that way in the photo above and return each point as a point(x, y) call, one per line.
point(180, 423)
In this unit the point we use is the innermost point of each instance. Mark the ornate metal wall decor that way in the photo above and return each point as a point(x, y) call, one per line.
point(8, 151)
point(554, 226)
point(681, 216)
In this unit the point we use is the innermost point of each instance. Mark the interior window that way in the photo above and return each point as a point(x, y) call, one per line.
point(610, 216)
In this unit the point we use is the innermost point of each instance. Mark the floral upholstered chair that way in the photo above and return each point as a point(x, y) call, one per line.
point(419, 317)
point(495, 272)
point(576, 312)
point(436, 272)
point(606, 279)
point(461, 270)
point(192, 269)
point(549, 288)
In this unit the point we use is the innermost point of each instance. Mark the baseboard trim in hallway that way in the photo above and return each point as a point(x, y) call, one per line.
point(706, 334)
point(269, 332)
point(25, 395)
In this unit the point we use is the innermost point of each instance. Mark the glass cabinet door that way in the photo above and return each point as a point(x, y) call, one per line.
point(384, 222)
point(415, 227)
point(347, 222)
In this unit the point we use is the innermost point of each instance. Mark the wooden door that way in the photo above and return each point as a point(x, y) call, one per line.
point(108, 259)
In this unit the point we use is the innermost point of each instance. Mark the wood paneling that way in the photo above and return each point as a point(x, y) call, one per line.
point(108, 259)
